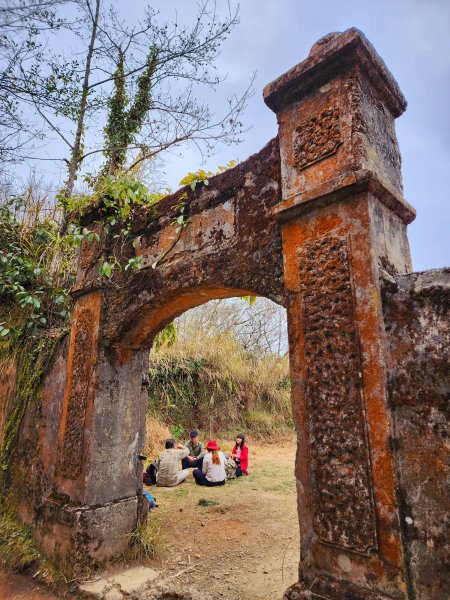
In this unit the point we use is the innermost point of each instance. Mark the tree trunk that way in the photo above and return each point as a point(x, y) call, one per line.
point(76, 149)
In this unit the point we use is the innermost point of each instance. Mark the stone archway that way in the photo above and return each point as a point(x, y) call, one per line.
point(314, 221)
point(231, 247)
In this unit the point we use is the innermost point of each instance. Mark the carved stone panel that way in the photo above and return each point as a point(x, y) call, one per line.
point(343, 511)
point(71, 452)
point(374, 142)
point(317, 137)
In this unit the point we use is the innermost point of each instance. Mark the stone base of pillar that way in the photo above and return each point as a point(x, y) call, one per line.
point(328, 589)
point(79, 537)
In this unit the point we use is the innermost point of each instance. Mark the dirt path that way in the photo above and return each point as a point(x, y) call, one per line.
point(14, 586)
point(245, 547)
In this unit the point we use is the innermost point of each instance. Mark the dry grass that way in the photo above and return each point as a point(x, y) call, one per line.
point(147, 540)
point(212, 383)
point(156, 434)
point(227, 356)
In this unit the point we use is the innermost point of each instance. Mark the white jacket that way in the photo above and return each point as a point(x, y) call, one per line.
point(214, 472)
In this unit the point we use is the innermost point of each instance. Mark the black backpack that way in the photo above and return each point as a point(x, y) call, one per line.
point(150, 473)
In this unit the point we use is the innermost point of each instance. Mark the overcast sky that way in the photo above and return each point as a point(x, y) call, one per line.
point(413, 38)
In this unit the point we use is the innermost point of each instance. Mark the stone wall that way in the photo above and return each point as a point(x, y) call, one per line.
point(417, 317)
point(77, 477)
point(230, 246)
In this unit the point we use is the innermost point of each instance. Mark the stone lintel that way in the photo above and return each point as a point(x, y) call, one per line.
point(330, 56)
point(342, 187)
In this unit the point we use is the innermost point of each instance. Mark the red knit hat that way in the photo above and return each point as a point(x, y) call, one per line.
point(212, 445)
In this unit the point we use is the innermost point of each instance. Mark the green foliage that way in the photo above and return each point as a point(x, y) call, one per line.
point(201, 176)
point(123, 124)
point(192, 179)
point(116, 119)
point(177, 431)
point(166, 337)
point(119, 194)
point(174, 389)
point(33, 288)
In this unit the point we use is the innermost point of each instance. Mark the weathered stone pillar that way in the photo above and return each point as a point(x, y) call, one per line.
point(344, 220)
point(97, 478)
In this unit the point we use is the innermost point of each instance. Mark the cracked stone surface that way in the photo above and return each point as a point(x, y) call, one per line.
point(138, 583)
point(118, 586)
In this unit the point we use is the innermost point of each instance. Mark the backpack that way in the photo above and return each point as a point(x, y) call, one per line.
point(230, 469)
point(151, 500)
point(150, 473)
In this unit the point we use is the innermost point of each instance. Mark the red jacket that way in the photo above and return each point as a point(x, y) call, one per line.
point(243, 458)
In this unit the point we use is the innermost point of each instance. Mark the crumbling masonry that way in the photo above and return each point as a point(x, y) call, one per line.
point(317, 222)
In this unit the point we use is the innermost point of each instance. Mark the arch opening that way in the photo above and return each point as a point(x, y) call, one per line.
point(148, 322)
point(189, 369)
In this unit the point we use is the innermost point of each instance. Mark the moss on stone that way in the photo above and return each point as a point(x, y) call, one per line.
point(32, 357)
point(18, 550)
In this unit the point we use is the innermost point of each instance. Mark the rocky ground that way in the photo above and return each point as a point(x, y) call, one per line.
point(237, 542)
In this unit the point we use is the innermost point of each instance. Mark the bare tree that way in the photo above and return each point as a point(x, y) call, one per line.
point(75, 148)
point(260, 327)
point(26, 28)
point(70, 97)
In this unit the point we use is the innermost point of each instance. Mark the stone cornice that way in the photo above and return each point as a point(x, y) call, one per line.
point(333, 54)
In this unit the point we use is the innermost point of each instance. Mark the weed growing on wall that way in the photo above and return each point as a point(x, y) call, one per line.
point(36, 270)
point(147, 540)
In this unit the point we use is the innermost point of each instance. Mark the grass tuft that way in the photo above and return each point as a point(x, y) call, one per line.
point(206, 502)
point(147, 540)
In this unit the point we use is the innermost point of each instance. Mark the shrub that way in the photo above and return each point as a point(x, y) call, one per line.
point(211, 382)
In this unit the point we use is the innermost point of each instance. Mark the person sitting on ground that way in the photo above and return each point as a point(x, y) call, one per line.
point(213, 469)
point(196, 452)
point(168, 474)
point(240, 455)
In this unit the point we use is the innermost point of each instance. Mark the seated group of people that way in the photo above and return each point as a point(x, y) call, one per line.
point(211, 466)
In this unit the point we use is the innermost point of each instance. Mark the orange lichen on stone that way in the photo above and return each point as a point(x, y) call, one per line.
point(159, 316)
point(82, 356)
